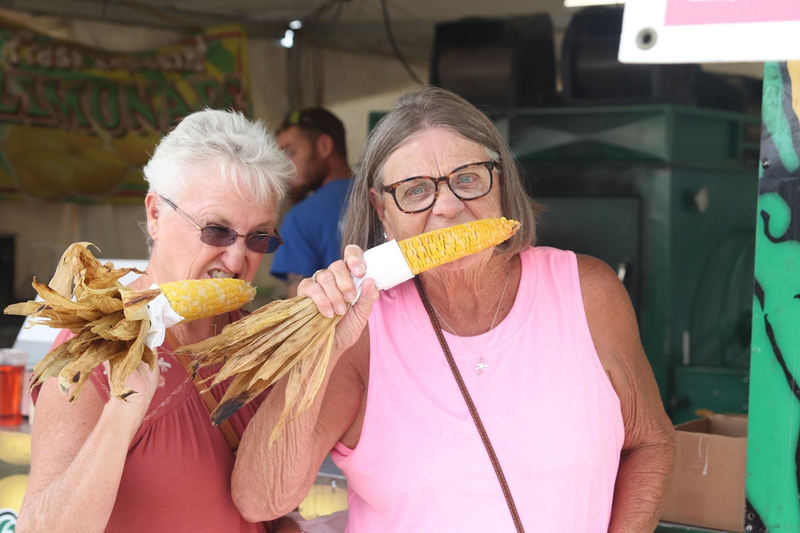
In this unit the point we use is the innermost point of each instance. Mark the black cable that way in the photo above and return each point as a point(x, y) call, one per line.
point(312, 21)
point(393, 44)
point(316, 14)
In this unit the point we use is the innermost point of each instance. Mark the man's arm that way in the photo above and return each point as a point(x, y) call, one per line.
point(292, 281)
point(296, 257)
point(648, 449)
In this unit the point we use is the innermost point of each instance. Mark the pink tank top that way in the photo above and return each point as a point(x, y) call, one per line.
point(177, 473)
point(548, 406)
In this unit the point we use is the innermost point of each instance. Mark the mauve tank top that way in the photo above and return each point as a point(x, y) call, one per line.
point(548, 406)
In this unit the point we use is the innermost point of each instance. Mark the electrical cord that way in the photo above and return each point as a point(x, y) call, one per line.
point(314, 20)
point(393, 44)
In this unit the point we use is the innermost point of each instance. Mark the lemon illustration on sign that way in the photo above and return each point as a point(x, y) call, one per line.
point(12, 489)
point(135, 148)
point(50, 163)
point(15, 448)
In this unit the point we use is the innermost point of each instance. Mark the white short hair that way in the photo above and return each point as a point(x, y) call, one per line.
point(246, 154)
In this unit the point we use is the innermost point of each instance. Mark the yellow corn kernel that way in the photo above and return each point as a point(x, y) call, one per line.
point(437, 247)
point(201, 298)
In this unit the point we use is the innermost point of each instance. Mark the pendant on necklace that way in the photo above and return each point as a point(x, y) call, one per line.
point(481, 366)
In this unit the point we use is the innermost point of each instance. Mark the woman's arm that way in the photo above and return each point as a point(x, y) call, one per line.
point(78, 451)
point(648, 450)
point(270, 481)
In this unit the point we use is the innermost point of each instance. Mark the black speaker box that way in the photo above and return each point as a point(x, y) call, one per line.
point(592, 74)
point(496, 62)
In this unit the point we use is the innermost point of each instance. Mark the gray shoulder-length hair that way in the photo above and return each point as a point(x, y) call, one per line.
point(415, 112)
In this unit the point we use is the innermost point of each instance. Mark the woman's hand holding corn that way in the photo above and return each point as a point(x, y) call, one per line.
point(333, 291)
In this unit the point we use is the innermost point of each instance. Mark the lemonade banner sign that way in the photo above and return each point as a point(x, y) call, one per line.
point(77, 123)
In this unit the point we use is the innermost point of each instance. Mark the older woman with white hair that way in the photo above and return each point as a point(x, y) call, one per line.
point(504, 391)
point(153, 462)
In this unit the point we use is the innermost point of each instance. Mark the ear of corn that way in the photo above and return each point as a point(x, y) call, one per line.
point(111, 322)
point(433, 248)
point(289, 338)
point(201, 298)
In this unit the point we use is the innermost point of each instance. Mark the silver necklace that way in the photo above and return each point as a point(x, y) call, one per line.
point(481, 366)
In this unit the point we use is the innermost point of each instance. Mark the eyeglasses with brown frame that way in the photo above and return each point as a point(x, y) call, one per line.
point(419, 193)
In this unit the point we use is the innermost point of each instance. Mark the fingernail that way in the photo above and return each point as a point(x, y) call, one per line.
point(351, 297)
point(359, 270)
point(327, 313)
point(341, 309)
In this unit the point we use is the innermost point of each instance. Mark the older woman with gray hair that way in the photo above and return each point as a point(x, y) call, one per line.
point(153, 461)
point(505, 390)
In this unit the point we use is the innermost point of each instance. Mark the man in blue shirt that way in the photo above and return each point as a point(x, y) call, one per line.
point(314, 140)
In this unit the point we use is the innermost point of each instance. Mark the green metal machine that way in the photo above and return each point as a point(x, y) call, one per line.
point(666, 195)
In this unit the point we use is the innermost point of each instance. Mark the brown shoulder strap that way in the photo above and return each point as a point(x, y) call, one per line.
point(208, 398)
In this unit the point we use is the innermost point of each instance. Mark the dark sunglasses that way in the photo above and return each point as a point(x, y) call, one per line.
point(216, 235)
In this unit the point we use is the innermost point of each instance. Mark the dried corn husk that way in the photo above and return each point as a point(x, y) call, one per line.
point(291, 337)
point(282, 337)
point(111, 322)
point(83, 296)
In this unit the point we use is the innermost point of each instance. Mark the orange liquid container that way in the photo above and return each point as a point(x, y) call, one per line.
point(11, 394)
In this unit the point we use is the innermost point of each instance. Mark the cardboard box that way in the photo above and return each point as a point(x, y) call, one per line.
point(708, 479)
